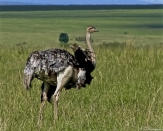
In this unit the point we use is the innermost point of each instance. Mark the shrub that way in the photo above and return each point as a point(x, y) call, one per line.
point(80, 38)
point(63, 38)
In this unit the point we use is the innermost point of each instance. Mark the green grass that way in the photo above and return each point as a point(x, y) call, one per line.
point(126, 92)
point(40, 27)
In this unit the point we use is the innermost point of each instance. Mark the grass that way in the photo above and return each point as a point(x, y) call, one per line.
point(126, 92)
point(142, 26)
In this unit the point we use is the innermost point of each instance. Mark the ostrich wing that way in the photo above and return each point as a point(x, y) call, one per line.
point(50, 61)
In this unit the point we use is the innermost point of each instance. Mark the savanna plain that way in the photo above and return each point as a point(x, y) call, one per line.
point(127, 90)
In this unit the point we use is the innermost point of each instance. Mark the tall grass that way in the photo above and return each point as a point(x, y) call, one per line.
point(126, 93)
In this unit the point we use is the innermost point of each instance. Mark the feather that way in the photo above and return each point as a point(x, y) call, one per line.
point(45, 64)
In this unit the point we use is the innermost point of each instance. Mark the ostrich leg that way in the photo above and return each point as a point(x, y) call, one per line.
point(56, 98)
point(62, 79)
point(40, 112)
point(45, 89)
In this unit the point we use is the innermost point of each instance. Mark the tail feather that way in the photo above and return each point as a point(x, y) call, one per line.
point(27, 81)
point(28, 76)
point(29, 70)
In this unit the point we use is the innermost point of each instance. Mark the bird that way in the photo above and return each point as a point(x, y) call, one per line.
point(58, 69)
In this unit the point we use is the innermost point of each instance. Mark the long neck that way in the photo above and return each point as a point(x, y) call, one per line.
point(88, 41)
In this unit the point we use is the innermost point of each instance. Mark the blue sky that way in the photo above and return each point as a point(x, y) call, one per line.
point(85, 1)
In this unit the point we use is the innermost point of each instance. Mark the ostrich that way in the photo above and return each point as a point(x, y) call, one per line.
point(58, 69)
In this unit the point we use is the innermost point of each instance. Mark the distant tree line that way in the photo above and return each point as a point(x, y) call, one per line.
point(75, 7)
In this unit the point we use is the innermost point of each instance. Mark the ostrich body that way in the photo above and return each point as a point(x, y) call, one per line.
point(46, 65)
point(59, 69)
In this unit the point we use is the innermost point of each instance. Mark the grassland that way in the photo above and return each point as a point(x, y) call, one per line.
point(126, 93)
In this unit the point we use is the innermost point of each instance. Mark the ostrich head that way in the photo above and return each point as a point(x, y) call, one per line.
point(91, 29)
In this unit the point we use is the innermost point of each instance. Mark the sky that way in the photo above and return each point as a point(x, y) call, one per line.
point(69, 2)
